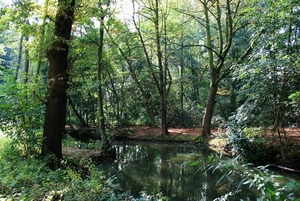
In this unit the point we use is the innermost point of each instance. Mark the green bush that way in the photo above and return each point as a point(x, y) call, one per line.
point(258, 151)
point(254, 132)
point(22, 115)
point(186, 118)
point(250, 144)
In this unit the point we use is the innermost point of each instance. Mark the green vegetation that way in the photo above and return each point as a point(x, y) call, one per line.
point(30, 178)
point(22, 114)
point(272, 187)
point(262, 147)
point(104, 65)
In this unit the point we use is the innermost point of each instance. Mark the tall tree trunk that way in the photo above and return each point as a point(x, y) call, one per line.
point(100, 69)
point(212, 92)
point(181, 84)
point(19, 57)
point(224, 34)
point(162, 74)
point(58, 80)
point(26, 62)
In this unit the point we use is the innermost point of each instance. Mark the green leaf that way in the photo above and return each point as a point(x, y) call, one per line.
point(194, 163)
point(209, 159)
point(222, 177)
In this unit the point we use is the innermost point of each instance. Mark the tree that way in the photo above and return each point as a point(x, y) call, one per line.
point(100, 70)
point(220, 22)
point(266, 92)
point(58, 80)
point(42, 38)
point(154, 14)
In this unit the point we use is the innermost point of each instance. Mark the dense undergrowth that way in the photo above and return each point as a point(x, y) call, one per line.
point(259, 153)
point(256, 146)
point(30, 178)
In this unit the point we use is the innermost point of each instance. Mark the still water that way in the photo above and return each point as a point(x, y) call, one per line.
point(165, 168)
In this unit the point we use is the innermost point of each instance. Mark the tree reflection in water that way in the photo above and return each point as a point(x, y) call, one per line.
point(157, 167)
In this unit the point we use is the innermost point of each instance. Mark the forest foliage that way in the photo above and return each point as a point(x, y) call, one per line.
point(157, 63)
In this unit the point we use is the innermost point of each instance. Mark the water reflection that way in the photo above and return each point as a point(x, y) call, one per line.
point(154, 167)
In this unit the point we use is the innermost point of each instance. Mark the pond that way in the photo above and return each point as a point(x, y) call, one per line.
point(165, 167)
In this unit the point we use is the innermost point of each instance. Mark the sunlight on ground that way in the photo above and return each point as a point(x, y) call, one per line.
point(218, 145)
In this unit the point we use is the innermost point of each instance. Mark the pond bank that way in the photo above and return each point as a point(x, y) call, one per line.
point(217, 141)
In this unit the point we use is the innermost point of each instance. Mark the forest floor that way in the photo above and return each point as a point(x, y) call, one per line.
point(141, 132)
point(190, 134)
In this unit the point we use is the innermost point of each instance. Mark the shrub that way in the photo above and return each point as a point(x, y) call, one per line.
point(22, 115)
point(250, 144)
point(186, 118)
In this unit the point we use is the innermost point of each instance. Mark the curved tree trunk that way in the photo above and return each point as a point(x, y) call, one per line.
point(217, 51)
point(57, 80)
point(213, 85)
point(206, 127)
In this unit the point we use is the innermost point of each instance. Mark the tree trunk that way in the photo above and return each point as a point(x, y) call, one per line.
point(42, 39)
point(181, 84)
point(26, 63)
point(213, 85)
point(216, 63)
point(162, 74)
point(80, 118)
point(100, 69)
point(19, 57)
point(57, 80)
point(206, 127)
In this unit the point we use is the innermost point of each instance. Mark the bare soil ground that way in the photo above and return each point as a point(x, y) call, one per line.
point(175, 134)
point(142, 131)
